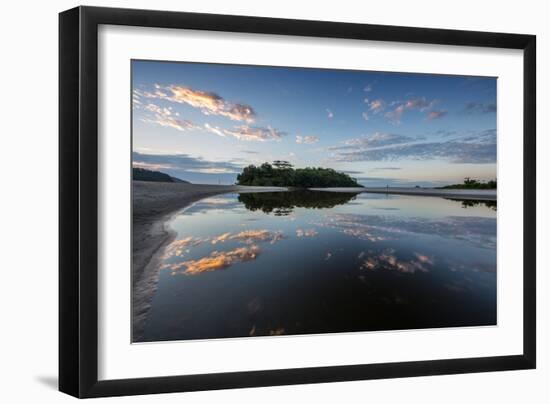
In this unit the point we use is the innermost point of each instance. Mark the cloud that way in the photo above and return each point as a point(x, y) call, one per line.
point(479, 148)
point(136, 99)
point(480, 108)
point(330, 114)
point(168, 118)
point(255, 133)
point(420, 104)
point(248, 133)
point(436, 114)
point(365, 116)
point(387, 259)
point(455, 151)
point(151, 166)
point(376, 106)
point(386, 168)
point(306, 232)
point(181, 247)
point(377, 139)
point(209, 103)
point(216, 260)
point(367, 88)
point(477, 231)
point(250, 237)
point(182, 163)
point(395, 115)
point(307, 139)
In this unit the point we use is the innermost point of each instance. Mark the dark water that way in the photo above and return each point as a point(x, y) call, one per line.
point(319, 262)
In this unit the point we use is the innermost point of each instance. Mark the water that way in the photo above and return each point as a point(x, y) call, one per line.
point(318, 262)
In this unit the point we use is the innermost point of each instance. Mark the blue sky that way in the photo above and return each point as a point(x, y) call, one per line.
point(204, 122)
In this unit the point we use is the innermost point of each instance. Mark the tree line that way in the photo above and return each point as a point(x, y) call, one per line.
point(470, 183)
point(283, 174)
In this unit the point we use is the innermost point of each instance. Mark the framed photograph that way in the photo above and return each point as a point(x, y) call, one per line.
point(252, 201)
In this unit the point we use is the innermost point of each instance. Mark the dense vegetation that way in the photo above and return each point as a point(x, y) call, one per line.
point(468, 203)
point(141, 174)
point(473, 184)
point(283, 203)
point(282, 174)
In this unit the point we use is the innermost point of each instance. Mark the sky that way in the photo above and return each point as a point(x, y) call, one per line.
point(204, 122)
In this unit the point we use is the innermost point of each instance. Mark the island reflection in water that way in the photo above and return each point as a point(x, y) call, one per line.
point(319, 262)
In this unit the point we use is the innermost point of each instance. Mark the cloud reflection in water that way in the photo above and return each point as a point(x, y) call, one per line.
point(216, 260)
point(387, 259)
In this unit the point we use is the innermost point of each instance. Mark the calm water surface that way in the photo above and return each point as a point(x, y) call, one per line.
point(319, 262)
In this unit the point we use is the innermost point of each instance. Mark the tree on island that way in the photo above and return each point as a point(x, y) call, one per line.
point(470, 183)
point(283, 174)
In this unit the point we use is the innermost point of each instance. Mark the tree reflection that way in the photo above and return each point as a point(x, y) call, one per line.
point(283, 203)
point(470, 203)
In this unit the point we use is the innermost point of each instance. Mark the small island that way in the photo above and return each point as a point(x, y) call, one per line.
point(283, 174)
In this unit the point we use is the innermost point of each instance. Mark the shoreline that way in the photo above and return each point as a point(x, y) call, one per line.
point(468, 194)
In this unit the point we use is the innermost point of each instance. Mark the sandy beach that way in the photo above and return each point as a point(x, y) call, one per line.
point(153, 204)
point(471, 194)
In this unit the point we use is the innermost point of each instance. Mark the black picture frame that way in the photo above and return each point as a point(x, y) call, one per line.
point(78, 201)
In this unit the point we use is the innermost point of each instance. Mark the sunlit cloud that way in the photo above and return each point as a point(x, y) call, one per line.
point(307, 139)
point(214, 129)
point(330, 114)
point(180, 247)
point(216, 260)
point(423, 258)
point(376, 106)
point(436, 114)
point(209, 103)
point(221, 238)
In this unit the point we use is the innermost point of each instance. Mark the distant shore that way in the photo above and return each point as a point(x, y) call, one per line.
point(470, 194)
